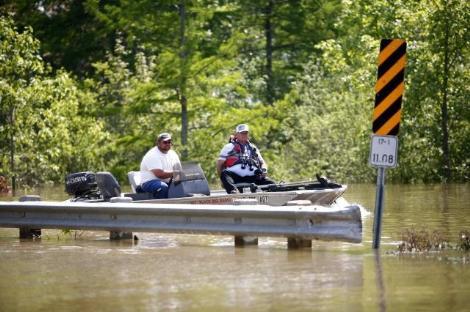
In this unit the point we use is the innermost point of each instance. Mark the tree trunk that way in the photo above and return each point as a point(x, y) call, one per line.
point(268, 30)
point(444, 112)
point(12, 148)
point(182, 83)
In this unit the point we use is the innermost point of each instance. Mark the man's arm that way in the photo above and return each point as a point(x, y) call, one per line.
point(220, 166)
point(159, 173)
point(264, 167)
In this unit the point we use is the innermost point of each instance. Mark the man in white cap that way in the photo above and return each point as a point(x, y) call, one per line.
point(241, 162)
point(158, 166)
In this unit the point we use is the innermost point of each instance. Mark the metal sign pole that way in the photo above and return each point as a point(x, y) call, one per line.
point(379, 196)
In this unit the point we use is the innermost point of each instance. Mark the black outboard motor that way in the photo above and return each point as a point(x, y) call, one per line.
point(82, 185)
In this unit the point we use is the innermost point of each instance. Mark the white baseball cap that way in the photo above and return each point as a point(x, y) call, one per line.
point(163, 137)
point(242, 128)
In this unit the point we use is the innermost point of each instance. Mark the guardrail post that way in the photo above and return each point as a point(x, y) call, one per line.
point(26, 232)
point(241, 241)
point(296, 242)
point(117, 235)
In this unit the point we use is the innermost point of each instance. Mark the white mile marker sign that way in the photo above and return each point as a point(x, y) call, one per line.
point(383, 151)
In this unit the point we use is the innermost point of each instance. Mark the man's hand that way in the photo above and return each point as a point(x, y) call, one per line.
point(264, 172)
point(261, 173)
point(176, 175)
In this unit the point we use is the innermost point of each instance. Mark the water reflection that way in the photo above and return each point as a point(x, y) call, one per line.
point(444, 208)
point(379, 281)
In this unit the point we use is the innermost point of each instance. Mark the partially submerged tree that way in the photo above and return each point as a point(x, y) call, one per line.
point(44, 116)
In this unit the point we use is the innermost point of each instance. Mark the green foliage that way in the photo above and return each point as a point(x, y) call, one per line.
point(319, 134)
point(55, 139)
point(71, 36)
point(47, 129)
point(295, 27)
point(137, 63)
point(421, 130)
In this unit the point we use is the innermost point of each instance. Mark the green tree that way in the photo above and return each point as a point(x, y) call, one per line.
point(325, 119)
point(449, 42)
point(71, 36)
point(278, 38)
point(47, 125)
point(193, 76)
point(18, 67)
point(435, 84)
point(196, 68)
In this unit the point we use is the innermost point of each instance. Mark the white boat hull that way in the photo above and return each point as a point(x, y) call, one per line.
point(323, 197)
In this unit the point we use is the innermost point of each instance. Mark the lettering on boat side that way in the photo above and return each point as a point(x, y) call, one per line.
point(263, 199)
point(214, 201)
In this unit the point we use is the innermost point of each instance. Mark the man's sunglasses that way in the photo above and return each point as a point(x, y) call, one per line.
point(167, 142)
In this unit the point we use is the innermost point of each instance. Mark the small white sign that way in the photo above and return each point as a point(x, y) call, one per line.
point(383, 151)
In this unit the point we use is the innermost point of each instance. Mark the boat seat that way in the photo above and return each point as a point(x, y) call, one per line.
point(108, 185)
point(139, 196)
point(134, 180)
point(137, 192)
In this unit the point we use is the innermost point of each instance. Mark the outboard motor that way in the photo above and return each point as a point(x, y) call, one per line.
point(108, 185)
point(82, 185)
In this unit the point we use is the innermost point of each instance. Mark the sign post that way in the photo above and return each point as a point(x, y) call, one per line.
point(383, 154)
point(386, 119)
point(379, 197)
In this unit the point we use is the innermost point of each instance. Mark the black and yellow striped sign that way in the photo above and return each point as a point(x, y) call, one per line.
point(390, 86)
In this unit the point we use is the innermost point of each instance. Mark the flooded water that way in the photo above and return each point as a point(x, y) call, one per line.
point(84, 271)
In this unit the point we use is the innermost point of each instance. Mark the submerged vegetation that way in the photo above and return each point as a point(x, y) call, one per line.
point(464, 240)
point(422, 240)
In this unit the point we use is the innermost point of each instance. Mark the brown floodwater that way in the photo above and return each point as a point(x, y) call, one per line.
point(85, 271)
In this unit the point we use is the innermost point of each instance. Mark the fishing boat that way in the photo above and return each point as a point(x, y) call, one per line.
point(300, 211)
point(190, 186)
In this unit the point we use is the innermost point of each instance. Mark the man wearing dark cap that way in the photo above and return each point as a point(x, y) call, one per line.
point(241, 162)
point(158, 166)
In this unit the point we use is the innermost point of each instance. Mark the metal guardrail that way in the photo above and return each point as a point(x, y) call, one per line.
point(293, 222)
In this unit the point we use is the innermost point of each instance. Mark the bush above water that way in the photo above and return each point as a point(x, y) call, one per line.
point(423, 240)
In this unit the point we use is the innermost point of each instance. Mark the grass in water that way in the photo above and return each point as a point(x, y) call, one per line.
point(72, 233)
point(464, 240)
point(423, 240)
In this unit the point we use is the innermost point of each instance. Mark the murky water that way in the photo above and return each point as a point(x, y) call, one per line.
point(160, 272)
